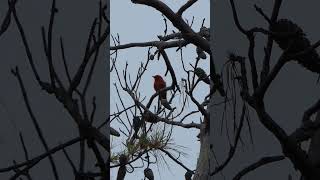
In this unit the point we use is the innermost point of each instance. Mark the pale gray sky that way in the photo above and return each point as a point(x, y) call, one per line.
point(138, 23)
point(290, 94)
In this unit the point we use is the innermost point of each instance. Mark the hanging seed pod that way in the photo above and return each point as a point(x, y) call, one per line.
point(296, 42)
point(123, 160)
point(188, 175)
point(148, 174)
point(201, 74)
point(151, 57)
point(136, 123)
point(201, 53)
point(149, 117)
point(205, 32)
point(114, 132)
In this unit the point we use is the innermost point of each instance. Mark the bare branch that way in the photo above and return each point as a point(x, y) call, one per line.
point(42, 156)
point(263, 161)
point(174, 159)
point(187, 5)
point(234, 147)
point(268, 49)
point(178, 22)
point(34, 121)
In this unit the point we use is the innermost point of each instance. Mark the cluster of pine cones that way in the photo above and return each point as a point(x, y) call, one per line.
point(296, 43)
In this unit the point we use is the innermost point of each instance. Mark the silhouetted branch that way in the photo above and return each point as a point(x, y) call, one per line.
point(37, 159)
point(162, 44)
point(16, 73)
point(26, 46)
point(7, 19)
point(174, 159)
point(70, 161)
point(233, 148)
point(86, 130)
point(183, 8)
point(268, 49)
point(260, 11)
point(263, 161)
point(178, 22)
point(65, 61)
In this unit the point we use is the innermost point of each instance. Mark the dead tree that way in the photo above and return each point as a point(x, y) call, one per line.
point(295, 47)
point(244, 74)
point(142, 142)
point(72, 96)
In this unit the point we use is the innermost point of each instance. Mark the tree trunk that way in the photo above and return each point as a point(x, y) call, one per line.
point(203, 164)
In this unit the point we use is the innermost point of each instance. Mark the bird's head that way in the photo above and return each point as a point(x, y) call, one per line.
point(157, 77)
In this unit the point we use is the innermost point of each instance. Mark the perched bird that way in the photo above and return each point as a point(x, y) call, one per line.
point(148, 174)
point(159, 84)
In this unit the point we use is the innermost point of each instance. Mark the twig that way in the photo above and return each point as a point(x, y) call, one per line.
point(187, 5)
point(34, 120)
point(263, 161)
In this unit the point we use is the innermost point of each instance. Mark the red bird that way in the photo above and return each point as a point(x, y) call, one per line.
point(159, 84)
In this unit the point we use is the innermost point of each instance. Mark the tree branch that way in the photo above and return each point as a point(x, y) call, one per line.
point(263, 161)
point(178, 22)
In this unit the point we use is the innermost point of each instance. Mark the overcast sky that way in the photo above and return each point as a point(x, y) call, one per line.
point(290, 94)
point(138, 23)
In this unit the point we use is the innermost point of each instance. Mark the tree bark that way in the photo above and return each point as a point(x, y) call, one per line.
point(203, 162)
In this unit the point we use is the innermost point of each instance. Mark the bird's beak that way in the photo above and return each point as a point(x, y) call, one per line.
point(153, 76)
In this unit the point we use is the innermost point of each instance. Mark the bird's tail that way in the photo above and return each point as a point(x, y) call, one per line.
point(163, 95)
point(206, 80)
point(166, 104)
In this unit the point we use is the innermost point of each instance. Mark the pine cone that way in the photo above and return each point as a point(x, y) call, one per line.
point(136, 122)
point(149, 117)
point(148, 174)
point(123, 160)
point(188, 175)
point(296, 43)
point(201, 53)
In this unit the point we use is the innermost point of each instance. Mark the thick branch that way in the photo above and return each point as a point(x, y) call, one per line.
point(178, 22)
point(266, 60)
point(162, 44)
point(290, 147)
point(186, 6)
